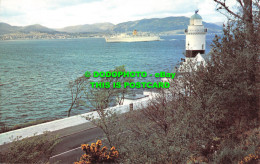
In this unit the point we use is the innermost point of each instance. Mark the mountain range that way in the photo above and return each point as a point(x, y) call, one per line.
point(168, 25)
point(6, 29)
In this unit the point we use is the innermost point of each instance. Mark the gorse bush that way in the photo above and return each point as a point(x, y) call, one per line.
point(243, 149)
point(250, 158)
point(94, 153)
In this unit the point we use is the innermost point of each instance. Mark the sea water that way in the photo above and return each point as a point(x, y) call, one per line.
point(34, 74)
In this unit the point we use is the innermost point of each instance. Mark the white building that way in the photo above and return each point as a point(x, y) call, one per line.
point(195, 44)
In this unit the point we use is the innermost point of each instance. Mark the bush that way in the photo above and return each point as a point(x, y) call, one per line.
point(35, 149)
point(244, 149)
point(95, 154)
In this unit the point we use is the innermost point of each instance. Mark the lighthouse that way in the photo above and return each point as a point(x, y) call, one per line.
point(195, 36)
point(195, 45)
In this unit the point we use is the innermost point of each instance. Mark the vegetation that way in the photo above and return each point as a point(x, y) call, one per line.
point(210, 115)
point(35, 149)
point(98, 98)
point(95, 154)
point(102, 98)
point(77, 88)
point(171, 25)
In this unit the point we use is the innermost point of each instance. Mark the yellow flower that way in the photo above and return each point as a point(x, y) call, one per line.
point(247, 159)
point(104, 149)
point(93, 145)
point(112, 148)
point(92, 149)
point(83, 146)
point(99, 142)
point(85, 156)
point(116, 153)
point(96, 149)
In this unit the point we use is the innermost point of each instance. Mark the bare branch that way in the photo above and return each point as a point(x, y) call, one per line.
point(223, 4)
point(240, 2)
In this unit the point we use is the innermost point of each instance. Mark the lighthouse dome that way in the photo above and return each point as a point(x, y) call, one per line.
point(196, 19)
point(196, 16)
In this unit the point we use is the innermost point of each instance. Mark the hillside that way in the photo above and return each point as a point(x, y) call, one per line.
point(168, 25)
point(154, 25)
point(6, 28)
point(158, 25)
point(98, 27)
point(36, 28)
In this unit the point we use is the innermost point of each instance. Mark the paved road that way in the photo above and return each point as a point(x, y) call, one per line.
point(69, 151)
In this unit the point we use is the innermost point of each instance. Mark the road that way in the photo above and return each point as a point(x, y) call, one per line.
point(68, 150)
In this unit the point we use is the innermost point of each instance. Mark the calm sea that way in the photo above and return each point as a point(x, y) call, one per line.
point(35, 73)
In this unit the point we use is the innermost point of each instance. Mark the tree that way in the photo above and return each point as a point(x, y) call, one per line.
point(219, 101)
point(248, 19)
point(113, 91)
point(247, 13)
point(223, 99)
point(206, 114)
point(101, 98)
point(236, 58)
point(77, 90)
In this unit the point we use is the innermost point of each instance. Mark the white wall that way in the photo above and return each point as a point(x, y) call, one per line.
point(195, 42)
point(196, 29)
point(197, 21)
point(67, 122)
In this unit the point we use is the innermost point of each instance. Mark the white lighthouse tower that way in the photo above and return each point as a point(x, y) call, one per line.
point(195, 44)
point(195, 36)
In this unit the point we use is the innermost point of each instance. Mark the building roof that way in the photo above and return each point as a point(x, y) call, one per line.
point(192, 63)
point(196, 16)
point(205, 56)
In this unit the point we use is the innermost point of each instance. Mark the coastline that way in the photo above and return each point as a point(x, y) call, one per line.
point(63, 123)
point(28, 39)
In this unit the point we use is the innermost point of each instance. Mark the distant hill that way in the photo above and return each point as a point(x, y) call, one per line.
point(36, 28)
point(158, 25)
point(6, 28)
point(219, 23)
point(168, 25)
point(98, 27)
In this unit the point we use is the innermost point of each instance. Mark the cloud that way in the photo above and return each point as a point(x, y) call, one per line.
point(60, 13)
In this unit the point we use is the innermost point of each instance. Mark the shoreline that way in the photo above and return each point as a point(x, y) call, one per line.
point(27, 39)
point(59, 124)
point(6, 128)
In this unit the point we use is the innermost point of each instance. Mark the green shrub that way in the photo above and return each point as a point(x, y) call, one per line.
point(35, 149)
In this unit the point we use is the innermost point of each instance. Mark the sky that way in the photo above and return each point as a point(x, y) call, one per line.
point(62, 13)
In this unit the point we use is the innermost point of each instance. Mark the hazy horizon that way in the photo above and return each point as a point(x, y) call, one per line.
point(62, 13)
point(93, 23)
